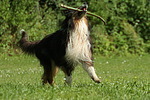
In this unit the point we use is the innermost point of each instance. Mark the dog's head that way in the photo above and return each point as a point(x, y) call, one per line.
point(78, 14)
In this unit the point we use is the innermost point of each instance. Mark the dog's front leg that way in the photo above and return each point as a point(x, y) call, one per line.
point(68, 79)
point(88, 67)
point(67, 69)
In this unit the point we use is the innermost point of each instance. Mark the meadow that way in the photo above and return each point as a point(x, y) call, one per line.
point(123, 78)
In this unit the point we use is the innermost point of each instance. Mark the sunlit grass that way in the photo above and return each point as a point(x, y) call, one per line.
point(123, 78)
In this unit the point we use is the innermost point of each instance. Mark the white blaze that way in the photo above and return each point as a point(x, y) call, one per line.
point(79, 45)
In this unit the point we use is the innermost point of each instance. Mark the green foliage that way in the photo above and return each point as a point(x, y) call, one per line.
point(127, 30)
point(123, 78)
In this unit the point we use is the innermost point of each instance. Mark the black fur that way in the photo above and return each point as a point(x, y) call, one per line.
point(52, 48)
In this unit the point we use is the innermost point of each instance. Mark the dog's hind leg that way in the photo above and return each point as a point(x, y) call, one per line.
point(88, 67)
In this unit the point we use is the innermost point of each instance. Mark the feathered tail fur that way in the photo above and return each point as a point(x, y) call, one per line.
point(27, 46)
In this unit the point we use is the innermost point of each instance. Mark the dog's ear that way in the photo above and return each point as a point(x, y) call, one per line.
point(67, 12)
point(64, 12)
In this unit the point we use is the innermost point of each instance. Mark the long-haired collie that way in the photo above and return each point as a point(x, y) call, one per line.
point(65, 48)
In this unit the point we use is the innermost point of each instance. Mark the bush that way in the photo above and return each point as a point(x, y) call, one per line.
point(127, 30)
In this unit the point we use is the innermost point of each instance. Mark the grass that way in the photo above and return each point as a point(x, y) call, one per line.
point(124, 78)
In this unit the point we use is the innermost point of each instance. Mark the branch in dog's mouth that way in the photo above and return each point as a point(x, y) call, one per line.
point(83, 9)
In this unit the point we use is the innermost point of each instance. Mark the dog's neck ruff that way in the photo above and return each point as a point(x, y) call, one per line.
point(79, 47)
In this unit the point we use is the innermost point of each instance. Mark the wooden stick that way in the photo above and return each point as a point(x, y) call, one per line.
point(89, 13)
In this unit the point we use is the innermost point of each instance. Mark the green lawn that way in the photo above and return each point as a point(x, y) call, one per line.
point(123, 78)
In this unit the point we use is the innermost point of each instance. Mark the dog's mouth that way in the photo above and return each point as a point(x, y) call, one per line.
point(84, 7)
point(80, 14)
point(77, 14)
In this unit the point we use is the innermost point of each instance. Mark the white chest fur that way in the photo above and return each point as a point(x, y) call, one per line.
point(78, 48)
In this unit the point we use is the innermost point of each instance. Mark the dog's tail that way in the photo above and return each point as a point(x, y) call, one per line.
point(26, 46)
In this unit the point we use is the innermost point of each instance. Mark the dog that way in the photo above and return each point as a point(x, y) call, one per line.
point(65, 48)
